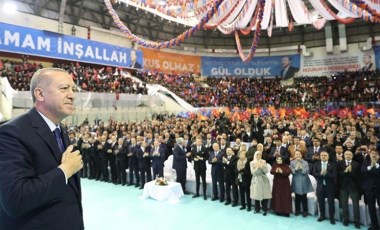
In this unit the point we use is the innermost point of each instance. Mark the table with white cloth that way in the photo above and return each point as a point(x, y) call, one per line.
point(172, 191)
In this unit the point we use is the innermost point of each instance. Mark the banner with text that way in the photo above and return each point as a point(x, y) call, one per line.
point(170, 62)
point(23, 40)
point(329, 64)
point(271, 66)
point(377, 56)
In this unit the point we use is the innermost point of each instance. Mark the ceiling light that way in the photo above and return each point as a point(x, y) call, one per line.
point(10, 7)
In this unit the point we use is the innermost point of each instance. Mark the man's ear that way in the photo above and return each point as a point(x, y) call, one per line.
point(39, 94)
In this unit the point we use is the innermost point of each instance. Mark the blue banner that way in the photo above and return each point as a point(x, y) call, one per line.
point(376, 49)
point(271, 66)
point(23, 40)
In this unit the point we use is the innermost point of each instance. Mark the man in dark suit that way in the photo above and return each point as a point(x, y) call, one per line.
point(349, 180)
point(85, 150)
point(288, 70)
point(325, 173)
point(313, 153)
point(367, 63)
point(257, 129)
point(180, 163)
point(278, 150)
point(39, 184)
point(229, 161)
point(157, 154)
point(199, 155)
point(371, 186)
point(134, 63)
point(120, 152)
point(133, 163)
point(143, 159)
point(102, 154)
point(217, 172)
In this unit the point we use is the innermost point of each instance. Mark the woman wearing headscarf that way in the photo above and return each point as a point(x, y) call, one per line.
point(281, 193)
point(301, 183)
point(260, 187)
point(244, 180)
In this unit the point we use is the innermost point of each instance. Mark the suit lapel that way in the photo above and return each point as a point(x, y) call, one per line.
point(42, 130)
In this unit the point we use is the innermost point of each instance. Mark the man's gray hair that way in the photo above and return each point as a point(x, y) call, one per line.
point(40, 78)
point(180, 141)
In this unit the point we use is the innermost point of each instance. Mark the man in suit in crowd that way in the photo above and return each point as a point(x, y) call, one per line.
point(288, 70)
point(39, 184)
point(326, 175)
point(313, 153)
point(223, 145)
point(157, 154)
point(180, 163)
point(217, 172)
point(112, 158)
point(199, 155)
point(349, 178)
point(305, 137)
point(339, 155)
point(102, 148)
point(229, 161)
point(278, 150)
point(133, 163)
point(85, 149)
point(207, 143)
point(94, 159)
point(257, 129)
point(361, 154)
point(371, 186)
point(120, 153)
point(247, 135)
point(144, 164)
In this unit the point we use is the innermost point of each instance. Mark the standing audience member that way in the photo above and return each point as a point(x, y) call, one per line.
point(133, 163)
point(349, 186)
point(143, 158)
point(112, 158)
point(313, 153)
point(281, 193)
point(301, 184)
point(102, 148)
point(244, 178)
point(157, 154)
point(229, 162)
point(94, 159)
point(39, 184)
point(260, 187)
point(85, 149)
point(217, 172)
point(121, 162)
point(325, 173)
point(371, 186)
point(257, 128)
point(180, 163)
point(199, 155)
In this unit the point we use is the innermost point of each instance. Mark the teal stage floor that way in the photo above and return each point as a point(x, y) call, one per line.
point(109, 207)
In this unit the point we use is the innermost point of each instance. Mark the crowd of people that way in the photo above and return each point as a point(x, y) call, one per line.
point(310, 92)
point(340, 153)
point(248, 92)
point(87, 77)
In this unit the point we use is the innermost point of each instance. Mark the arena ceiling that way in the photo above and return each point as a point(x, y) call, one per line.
point(150, 26)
